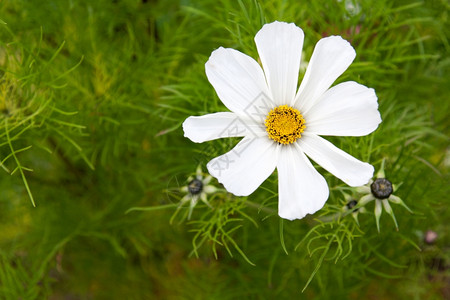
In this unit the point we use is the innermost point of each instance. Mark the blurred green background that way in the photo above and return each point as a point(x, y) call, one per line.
point(92, 97)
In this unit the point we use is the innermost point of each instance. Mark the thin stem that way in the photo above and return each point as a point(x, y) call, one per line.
point(19, 166)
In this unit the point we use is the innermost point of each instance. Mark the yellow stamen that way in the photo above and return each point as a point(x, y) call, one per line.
point(284, 124)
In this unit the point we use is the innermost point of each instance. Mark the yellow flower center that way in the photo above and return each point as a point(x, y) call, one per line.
point(284, 124)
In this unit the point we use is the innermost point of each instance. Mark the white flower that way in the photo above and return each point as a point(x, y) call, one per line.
point(197, 188)
point(280, 125)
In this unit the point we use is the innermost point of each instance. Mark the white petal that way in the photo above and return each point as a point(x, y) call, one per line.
point(301, 189)
point(347, 109)
point(220, 125)
point(342, 165)
point(238, 80)
point(280, 48)
point(331, 57)
point(244, 168)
